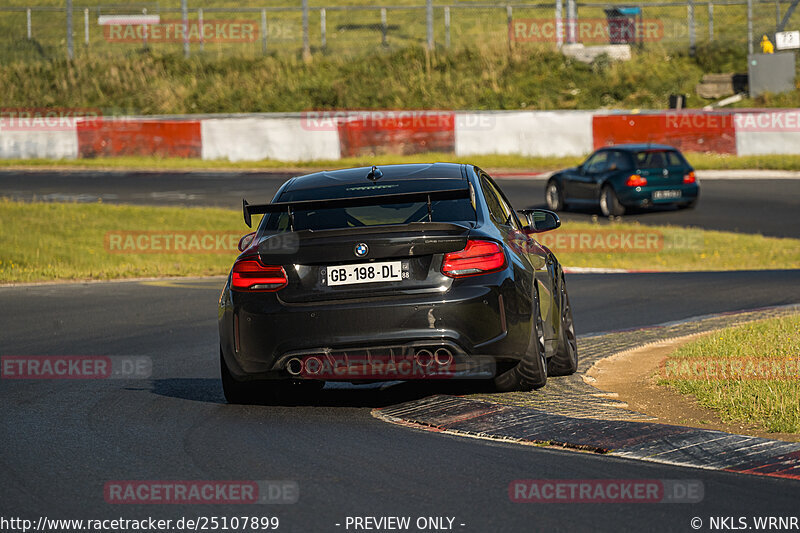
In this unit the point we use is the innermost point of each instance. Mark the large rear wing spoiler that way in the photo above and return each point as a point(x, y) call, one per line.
point(384, 199)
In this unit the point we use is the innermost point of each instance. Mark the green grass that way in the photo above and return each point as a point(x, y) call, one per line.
point(55, 241)
point(700, 161)
point(671, 248)
point(347, 31)
point(481, 69)
point(703, 161)
point(773, 404)
point(61, 241)
point(155, 163)
point(472, 77)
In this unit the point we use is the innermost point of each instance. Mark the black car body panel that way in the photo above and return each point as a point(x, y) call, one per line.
point(488, 315)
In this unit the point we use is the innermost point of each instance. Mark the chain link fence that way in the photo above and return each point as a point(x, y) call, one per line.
point(40, 30)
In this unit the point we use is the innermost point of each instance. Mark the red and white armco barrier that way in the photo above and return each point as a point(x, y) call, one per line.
point(330, 135)
point(693, 131)
point(58, 144)
point(768, 132)
point(252, 138)
point(159, 137)
point(527, 133)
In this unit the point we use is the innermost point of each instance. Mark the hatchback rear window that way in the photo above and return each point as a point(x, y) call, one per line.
point(659, 159)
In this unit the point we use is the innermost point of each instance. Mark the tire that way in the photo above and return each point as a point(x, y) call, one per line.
point(690, 205)
point(236, 392)
point(554, 196)
point(609, 203)
point(565, 361)
point(531, 371)
point(267, 392)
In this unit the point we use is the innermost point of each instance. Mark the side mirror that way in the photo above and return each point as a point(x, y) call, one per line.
point(540, 220)
point(246, 241)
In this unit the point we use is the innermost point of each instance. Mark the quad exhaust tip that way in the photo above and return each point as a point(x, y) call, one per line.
point(424, 357)
point(313, 365)
point(443, 356)
point(294, 366)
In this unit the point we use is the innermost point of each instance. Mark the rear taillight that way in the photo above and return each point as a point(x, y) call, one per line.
point(689, 178)
point(479, 257)
point(251, 275)
point(635, 180)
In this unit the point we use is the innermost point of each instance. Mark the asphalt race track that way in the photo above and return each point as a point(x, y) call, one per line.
point(758, 205)
point(764, 206)
point(62, 440)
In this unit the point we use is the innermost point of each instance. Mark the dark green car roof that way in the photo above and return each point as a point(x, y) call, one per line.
point(639, 147)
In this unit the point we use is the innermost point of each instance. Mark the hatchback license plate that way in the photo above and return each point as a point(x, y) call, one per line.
point(666, 195)
point(365, 273)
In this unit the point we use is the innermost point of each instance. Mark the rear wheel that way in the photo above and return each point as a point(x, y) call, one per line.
point(554, 196)
point(531, 372)
point(690, 205)
point(565, 361)
point(236, 392)
point(275, 391)
point(609, 203)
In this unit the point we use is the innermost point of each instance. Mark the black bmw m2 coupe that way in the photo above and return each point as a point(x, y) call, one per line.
point(398, 272)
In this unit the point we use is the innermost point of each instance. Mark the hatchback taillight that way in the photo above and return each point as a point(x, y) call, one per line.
point(689, 178)
point(479, 257)
point(635, 180)
point(251, 275)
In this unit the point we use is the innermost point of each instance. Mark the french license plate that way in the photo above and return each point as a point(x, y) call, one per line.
point(666, 195)
point(365, 273)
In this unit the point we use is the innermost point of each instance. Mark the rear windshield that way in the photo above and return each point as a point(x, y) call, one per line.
point(659, 159)
point(457, 211)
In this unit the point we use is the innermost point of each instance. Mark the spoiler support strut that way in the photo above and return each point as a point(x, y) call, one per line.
point(430, 210)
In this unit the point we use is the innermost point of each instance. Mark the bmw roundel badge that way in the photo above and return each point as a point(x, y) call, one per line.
point(361, 249)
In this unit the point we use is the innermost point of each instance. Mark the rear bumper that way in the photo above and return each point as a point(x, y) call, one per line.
point(643, 196)
point(468, 317)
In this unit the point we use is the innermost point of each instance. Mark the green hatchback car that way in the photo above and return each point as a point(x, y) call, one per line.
point(614, 178)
